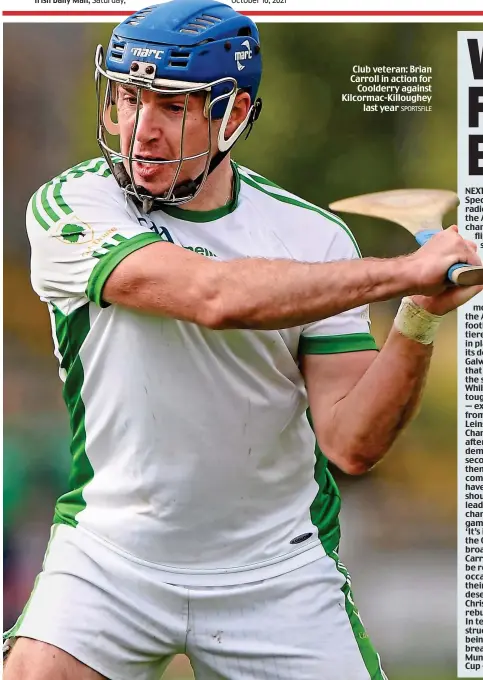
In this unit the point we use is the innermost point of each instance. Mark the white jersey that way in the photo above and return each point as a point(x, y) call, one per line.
point(191, 448)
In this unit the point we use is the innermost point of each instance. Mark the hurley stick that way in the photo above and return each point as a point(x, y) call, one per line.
point(421, 212)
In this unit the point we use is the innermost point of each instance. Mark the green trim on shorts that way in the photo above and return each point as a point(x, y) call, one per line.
point(369, 655)
point(14, 629)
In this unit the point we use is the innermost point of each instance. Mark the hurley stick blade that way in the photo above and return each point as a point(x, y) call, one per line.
point(415, 209)
point(421, 212)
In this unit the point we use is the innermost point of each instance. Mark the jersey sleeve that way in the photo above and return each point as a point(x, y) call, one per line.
point(80, 229)
point(345, 332)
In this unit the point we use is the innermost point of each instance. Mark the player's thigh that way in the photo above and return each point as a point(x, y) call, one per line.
point(110, 613)
point(34, 660)
point(302, 625)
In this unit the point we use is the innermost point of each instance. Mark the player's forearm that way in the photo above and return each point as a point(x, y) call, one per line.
point(273, 294)
point(366, 422)
point(164, 279)
point(252, 292)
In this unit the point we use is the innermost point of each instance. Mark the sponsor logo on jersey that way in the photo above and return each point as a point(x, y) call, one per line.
point(146, 52)
point(73, 232)
point(160, 230)
point(166, 236)
point(201, 251)
point(301, 538)
point(243, 55)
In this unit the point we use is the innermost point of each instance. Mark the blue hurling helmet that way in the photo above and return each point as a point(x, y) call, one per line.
point(180, 47)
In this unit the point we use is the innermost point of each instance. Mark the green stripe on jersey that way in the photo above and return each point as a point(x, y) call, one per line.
point(71, 331)
point(336, 344)
point(58, 197)
point(264, 185)
point(48, 204)
point(37, 215)
point(369, 655)
point(325, 508)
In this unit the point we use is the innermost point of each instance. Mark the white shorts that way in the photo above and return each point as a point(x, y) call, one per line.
point(118, 617)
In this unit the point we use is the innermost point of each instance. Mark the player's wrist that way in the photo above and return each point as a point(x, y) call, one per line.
point(429, 303)
point(415, 322)
point(411, 274)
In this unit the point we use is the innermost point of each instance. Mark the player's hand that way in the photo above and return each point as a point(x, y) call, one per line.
point(448, 300)
point(433, 260)
point(449, 297)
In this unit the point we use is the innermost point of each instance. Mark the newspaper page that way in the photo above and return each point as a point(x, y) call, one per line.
point(470, 352)
point(355, 101)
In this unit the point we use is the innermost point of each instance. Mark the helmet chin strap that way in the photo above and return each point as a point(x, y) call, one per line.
point(191, 186)
point(183, 190)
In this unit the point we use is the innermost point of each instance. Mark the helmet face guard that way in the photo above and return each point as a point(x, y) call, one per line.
point(178, 48)
point(105, 124)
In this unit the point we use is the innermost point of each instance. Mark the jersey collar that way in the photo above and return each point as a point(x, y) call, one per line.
point(207, 215)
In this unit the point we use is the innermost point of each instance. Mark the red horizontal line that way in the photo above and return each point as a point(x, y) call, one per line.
point(63, 13)
point(267, 13)
point(362, 13)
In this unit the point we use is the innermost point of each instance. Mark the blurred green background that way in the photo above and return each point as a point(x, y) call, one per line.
point(399, 522)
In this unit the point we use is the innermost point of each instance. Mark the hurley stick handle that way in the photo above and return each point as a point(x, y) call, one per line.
point(460, 274)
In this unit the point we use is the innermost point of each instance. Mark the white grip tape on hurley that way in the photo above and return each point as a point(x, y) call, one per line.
point(416, 323)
